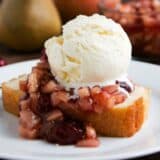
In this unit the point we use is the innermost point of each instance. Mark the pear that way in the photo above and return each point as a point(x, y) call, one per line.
point(71, 8)
point(26, 24)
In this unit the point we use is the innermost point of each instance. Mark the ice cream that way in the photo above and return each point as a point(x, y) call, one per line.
point(91, 51)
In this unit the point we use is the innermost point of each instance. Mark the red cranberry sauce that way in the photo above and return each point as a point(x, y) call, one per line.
point(63, 132)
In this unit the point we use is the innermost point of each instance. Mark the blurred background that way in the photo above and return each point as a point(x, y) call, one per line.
point(26, 24)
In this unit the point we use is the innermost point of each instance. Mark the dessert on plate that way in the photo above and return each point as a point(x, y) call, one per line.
point(80, 87)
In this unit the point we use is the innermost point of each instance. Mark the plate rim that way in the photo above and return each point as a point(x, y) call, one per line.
point(120, 156)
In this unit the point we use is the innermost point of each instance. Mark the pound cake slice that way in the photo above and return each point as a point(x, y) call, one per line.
point(122, 120)
point(11, 94)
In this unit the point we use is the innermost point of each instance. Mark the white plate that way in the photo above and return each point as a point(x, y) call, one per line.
point(146, 141)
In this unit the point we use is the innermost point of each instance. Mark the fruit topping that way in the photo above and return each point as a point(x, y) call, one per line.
point(101, 99)
point(54, 115)
point(30, 124)
point(85, 104)
point(95, 90)
point(88, 143)
point(84, 92)
point(40, 114)
point(110, 89)
point(90, 132)
point(44, 103)
point(62, 132)
point(59, 97)
point(119, 97)
point(50, 87)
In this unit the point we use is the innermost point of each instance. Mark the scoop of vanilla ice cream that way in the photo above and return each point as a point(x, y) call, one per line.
point(91, 51)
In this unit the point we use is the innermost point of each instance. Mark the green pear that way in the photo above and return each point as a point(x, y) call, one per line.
point(26, 24)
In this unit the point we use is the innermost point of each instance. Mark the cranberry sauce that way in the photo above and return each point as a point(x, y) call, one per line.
point(44, 104)
point(62, 131)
